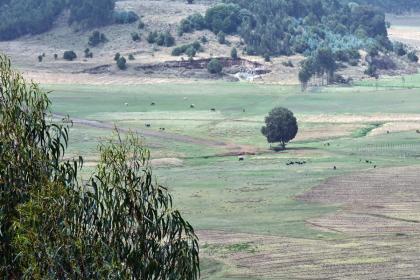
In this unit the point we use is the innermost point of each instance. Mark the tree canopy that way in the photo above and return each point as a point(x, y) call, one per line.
point(280, 126)
point(280, 27)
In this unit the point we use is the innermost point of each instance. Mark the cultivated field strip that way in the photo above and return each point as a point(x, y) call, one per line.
point(376, 201)
point(373, 257)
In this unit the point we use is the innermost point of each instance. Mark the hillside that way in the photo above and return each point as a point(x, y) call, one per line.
point(149, 61)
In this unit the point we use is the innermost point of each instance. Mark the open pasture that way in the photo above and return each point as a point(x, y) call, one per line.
point(257, 218)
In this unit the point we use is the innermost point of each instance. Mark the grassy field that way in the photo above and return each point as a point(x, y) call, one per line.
point(360, 128)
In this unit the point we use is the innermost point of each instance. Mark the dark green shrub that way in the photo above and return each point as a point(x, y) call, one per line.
point(152, 37)
point(40, 57)
point(141, 24)
point(204, 39)
point(400, 49)
point(214, 66)
point(135, 37)
point(412, 56)
point(122, 63)
point(371, 71)
point(125, 17)
point(234, 53)
point(288, 63)
point(182, 49)
point(190, 52)
point(97, 38)
point(69, 55)
point(221, 37)
point(88, 53)
point(131, 57)
point(117, 56)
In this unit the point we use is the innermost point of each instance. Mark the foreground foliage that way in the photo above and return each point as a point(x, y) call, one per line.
point(120, 224)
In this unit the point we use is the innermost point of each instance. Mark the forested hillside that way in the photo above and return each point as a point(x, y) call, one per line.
point(275, 27)
point(20, 17)
point(393, 6)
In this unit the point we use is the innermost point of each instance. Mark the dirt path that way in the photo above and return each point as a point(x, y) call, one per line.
point(232, 148)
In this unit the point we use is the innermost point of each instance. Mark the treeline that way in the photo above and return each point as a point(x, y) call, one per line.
point(280, 27)
point(20, 17)
point(393, 6)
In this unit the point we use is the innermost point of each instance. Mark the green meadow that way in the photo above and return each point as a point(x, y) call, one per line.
point(216, 191)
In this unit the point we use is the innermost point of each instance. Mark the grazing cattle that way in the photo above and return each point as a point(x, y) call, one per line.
point(148, 125)
point(153, 104)
point(213, 109)
point(192, 106)
point(126, 104)
point(241, 158)
point(335, 167)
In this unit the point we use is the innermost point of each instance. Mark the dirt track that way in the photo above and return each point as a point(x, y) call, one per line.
point(231, 148)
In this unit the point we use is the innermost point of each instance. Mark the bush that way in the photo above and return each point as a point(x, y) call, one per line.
point(152, 37)
point(141, 24)
point(117, 56)
point(122, 63)
point(412, 57)
point(135, 36)
point(234, 53)
point(280, 126)
point(55, 56)
point(204, 39)
point(131, 57)
point(400, 49)
point(214, 66)
point(88, 53)
point(192, 23)
point(183, 49)
point(287, 63)
point(97, 38)
point(190, 52)
point(125, 17)
point(221, 37)
point(223, 17)
point(168, 39)
point(371, 71)
point(69, 55)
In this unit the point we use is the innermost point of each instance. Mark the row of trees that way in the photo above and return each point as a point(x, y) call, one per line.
point(321, 64)
point(119, 224)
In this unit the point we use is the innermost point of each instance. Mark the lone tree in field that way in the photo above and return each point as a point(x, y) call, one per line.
point(280, 126)
point(119, 224)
